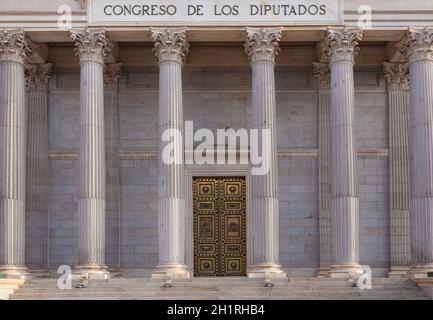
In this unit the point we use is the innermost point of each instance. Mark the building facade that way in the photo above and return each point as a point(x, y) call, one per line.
point(347, 105)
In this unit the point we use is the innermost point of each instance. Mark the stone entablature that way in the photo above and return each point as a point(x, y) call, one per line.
point(389, 22)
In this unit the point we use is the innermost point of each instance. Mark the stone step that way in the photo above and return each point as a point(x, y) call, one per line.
point(216, 291)
point(221, 297)
point(198, 284)
point(225, 287)
point(232, 280)
point(222, 288)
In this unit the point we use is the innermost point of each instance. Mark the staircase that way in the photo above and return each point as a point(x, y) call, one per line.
point(222, 288)
point(8, 286)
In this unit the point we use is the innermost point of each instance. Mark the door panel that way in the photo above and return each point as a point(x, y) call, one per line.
point(219, 226)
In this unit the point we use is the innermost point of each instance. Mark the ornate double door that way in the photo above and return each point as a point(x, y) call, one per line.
point(219, 226)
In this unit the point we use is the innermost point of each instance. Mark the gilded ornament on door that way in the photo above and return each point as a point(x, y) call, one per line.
point(219, 226)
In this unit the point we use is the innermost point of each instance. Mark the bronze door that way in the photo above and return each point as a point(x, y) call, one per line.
point(219, 226)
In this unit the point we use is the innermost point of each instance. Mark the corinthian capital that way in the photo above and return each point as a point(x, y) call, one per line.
point(112, 74)
point(170, 44)
point(397, 75)
point(14, 46)
point(262, 44)
point(37, 76)
point(322, 72)
point(418, 44)
point(91, 45)
point(341, 44)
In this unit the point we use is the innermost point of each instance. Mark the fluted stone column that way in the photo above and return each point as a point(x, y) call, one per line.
point(262, 48)
point(37, 168)
point(418, 48)
point(323, 74)
point(171, 48)
point(92, 48)
point(112, 74)
point(14, 50)
point(340, 46)
point(397, 75)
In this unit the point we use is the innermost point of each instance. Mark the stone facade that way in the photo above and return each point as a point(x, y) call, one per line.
point(82, 113)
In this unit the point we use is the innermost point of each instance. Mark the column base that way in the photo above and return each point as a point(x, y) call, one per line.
point(40, 273)
point(171, 271)
point(14, 272)
point(115, 272)
point(94, 271)
point(323, 272)
point(399, 272)
point(266, 271)
point(345, 271)
point(421, 271)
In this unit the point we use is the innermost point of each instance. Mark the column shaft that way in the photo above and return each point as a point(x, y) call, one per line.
point(343, 164)
point(421, 130)
point(171, 202)
point(13, 50)
point(265, 187)
point(92, 165)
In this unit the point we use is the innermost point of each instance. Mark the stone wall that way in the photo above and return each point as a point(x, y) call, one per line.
point(63, 215)
point(64, 100)
point(299, 217)
point(373, 174)
point(139, 213)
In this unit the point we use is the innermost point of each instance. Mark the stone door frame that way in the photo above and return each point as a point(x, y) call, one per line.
point(213, 171)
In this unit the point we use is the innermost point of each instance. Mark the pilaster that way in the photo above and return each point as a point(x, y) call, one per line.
point(112, 74)
point(322, 73)
point(397, 75)
point(37, 215)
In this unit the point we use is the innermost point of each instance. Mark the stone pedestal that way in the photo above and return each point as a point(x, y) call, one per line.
point(14, 50)
point(262, 49)
point(92, 48)
point(37, 169)
point(397, 75)
point(340, 46)
point(171, 48)
point(418, 48)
